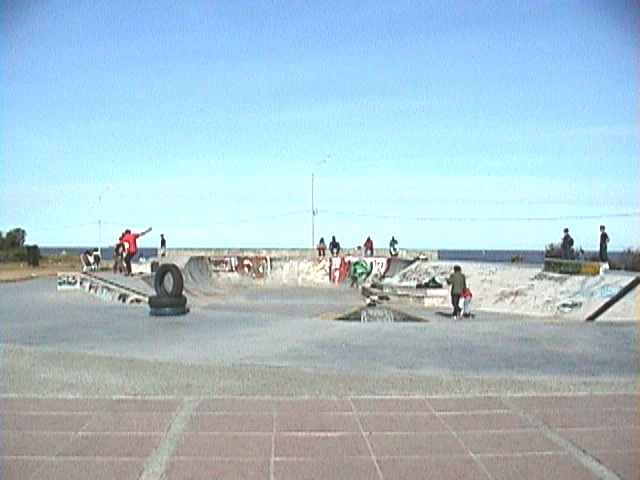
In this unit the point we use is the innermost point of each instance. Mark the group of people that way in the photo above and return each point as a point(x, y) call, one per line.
point(367, 247)
point(568, 253)
point(125, 249)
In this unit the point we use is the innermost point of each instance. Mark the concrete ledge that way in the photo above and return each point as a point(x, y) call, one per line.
point(572, 267)
point(100, 287)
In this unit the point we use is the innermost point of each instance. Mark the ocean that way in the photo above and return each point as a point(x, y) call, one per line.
point(492, 256)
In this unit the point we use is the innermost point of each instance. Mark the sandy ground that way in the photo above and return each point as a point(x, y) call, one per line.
point(49, 267)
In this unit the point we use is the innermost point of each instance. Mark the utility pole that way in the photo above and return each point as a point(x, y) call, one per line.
point(313, 217)
point(100, 220)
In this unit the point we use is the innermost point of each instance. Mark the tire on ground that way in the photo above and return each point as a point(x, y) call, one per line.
point(176, 275)
point(160, 301)
point(168, 312)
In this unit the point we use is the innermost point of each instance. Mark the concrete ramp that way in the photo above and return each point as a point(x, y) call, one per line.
point(108, 289)
point(396, 265)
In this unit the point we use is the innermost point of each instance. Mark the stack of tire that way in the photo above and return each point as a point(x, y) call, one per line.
point(168, 301)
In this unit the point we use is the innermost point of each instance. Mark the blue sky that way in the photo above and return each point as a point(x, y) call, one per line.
point(206, 119)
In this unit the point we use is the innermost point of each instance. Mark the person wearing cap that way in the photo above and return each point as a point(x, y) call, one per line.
point(567, 245)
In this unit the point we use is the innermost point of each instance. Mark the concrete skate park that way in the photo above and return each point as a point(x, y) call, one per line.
point(288, 319)
point(289, 334)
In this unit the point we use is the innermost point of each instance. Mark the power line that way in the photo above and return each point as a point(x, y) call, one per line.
point(483, 219)
point(231, 222)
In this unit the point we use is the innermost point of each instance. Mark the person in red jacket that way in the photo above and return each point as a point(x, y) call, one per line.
point(130, 241)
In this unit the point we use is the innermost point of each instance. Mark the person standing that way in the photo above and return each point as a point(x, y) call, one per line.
point(604, 244)
point(322, 248)
point(567, 245)
point(163, 245)
point(368, 247)
point(130, 241)
point(458, 283)
point(334, 246)
point(118, 252)
point(466, 302)
point(393, 247)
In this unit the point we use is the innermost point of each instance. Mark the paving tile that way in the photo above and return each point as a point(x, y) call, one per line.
point(398, 422)
point(535, 467)
point(625, 464)
point(236, 405)
point(395, 404)
point(69, 405)
point(434, 468)
point(217, 469)
point(415, 444)
point(629, 401)
point(353, 468)
point(467, 404)
point(63, 469)
point(19, 468)
point(312, 405)
point(33, 444)
point(604, 440)
point(225, 445)
point(589, 418)
point(44, 422)
point(317, 422)
point(143, 405)
point(459, 422)
point(112, 445)
point(229, 423)
point(508, 442)
point(130, 422)
point(320, 446)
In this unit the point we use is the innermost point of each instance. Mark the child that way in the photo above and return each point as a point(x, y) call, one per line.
point(466, 306)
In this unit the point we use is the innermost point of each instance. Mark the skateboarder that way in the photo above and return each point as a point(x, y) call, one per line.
point(130, 242)
point(604, 243)
point(458, 283)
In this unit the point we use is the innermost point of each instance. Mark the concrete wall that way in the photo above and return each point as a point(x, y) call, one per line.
point(181, 255)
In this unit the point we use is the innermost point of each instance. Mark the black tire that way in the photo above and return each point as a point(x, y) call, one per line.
point(176, 275)
point(168, 312)
point(167, 302)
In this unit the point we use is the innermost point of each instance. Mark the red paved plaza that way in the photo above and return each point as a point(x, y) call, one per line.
point(502, 437)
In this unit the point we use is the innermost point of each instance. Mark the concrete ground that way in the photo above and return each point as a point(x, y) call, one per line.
point(263, 385)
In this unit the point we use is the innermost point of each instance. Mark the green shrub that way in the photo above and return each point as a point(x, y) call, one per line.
point(13, 255)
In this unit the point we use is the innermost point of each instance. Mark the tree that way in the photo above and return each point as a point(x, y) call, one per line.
point(15, 238)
